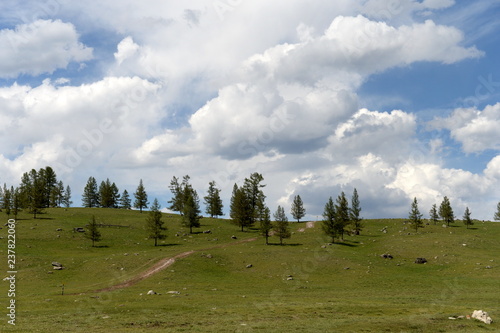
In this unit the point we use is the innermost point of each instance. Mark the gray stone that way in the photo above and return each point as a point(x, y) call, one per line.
point(249, 266)
point(420, 261)
point(151, 292)
point(56, 264)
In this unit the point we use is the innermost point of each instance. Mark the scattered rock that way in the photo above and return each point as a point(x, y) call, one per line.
point(234, 237)
point(50, 272)
point(289, 278)
point(152, 292)
point(58, 229)
point(482, 316)
point(207, 232)
point(78, 229)
point(249, 266)
point(387, 256)
point(172, 292)
point(346, 268)
point(57, 264)
point(489, 267)
point(445, 226)
point(57, 268)
point(420, 261)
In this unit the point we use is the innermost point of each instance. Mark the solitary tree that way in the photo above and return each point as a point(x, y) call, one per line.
point(415, 217)
point(141, 197)
point(298, 210)
point(434, 214)
point(191, 211)
point(281, 227)
point(154, 224)
point(265, 224)
point(213, 201)
point(497, 213)
point(446, 212)
point(93, 231)
point(354, 213)
point(329, 217)
point(467, 220)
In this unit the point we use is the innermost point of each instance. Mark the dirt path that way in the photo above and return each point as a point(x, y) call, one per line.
point(164, 263)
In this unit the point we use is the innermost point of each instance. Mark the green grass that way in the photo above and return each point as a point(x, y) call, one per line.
point(335, 288)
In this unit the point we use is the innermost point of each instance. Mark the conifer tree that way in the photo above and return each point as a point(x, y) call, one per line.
point(125, 201)
point(298, 210)
point(241, 208)
point(433, 213)
point(354, 213)
point(191, 210)
point(329, 218)
point(6, 199)
point(342, 214)
point(252, 189)
point(467, 219)
point(154, 223)
point(446, 212)
point(281, 228)
point(496, 217)
point(213, 201)
point(141, 197)
point(90, 197)
point(67, 197)
point(93, 232)
point(265, 224)
point(415, 217)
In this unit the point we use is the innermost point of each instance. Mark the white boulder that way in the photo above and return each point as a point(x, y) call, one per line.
point(482, 316)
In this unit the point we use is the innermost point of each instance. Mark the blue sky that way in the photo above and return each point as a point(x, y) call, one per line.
point(399, 100)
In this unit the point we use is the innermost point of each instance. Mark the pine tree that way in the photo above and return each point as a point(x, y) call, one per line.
point(7, 198)
point(298, 210)
point(342, 214)
point(115, 196)
point(93, 231)
point(125, 201)
point(141, 197)
point(16, 201)
point(433, 213)
point(154, 223)
point(446, 212)
point(213, 201)
point(467, 220)
point(176, 201)
point(354, 214)
point(329, 218)
point(67, 197)
point(241, 208)
point(47, 182)
point(281, 227)
point(265, 224)
point(252, 188)
point(415, 217)
point(90, 197)
point(191, 211)
point(496, 217)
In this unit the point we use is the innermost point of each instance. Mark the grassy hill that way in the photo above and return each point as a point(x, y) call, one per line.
point(304, 286)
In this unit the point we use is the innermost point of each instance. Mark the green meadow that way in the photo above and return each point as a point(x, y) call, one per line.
point(306, 285)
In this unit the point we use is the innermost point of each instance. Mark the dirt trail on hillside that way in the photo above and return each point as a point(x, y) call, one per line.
point(164, 263)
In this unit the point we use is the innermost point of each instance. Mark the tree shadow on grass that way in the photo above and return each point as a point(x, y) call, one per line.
point(100, 246)
point(345, 244)
point(167, 245)
point(285, 244)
